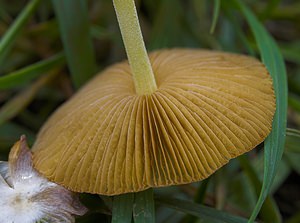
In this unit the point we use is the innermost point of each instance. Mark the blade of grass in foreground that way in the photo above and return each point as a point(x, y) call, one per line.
point(72, 16)
point(274, 144)
point(269, 210)
point(12, 33)
point(143, 208)
point(122, 208)
point(26, 74)
point(206, 214)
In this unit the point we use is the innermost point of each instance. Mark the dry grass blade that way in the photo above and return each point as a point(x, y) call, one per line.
point(21, 100)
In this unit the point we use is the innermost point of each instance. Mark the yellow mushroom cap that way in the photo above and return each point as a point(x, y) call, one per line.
point(209, 108)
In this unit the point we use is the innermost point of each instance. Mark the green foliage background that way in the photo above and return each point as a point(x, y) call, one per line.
point(48, 49)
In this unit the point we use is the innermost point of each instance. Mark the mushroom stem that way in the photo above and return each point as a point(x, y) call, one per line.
point(141, 69)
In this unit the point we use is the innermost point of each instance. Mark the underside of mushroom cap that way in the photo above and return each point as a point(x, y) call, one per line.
point(209, 108)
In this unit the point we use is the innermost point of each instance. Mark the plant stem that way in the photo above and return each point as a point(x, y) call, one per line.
point(143, 208)
point(122, 208)
point(141, 69)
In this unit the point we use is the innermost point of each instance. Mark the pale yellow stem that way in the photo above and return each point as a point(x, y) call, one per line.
point(141, 69)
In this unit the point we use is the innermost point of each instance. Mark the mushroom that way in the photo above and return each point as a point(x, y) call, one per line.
point(205, 108)
point(209, 108)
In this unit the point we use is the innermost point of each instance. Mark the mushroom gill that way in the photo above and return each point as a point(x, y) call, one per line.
point(209, 108)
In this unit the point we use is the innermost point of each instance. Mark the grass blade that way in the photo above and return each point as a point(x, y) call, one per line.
point(236, 23)
point(292, 141)
point(12, 33)
point(269, 210)
point(274, 144)
point(21, 100)
point(217, 5)
point(143, 208)
point(72, 17)
point(122, 208)
point(204, 213)
point(198, 198)
point(28, 73)
point(201, 192)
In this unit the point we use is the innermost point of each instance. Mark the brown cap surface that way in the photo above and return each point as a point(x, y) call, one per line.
point(209, 108)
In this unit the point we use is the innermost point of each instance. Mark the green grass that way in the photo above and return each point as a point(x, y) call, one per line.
point(75, 31)
point(275, 142)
